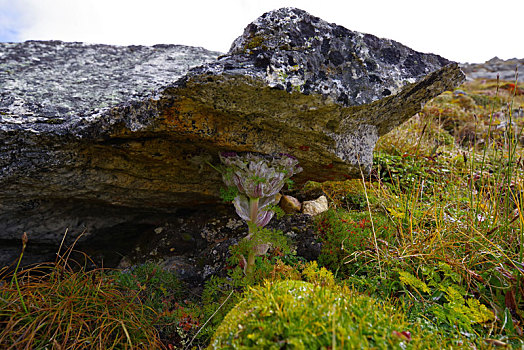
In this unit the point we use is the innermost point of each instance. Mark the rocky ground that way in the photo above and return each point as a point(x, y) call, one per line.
point(505, 69)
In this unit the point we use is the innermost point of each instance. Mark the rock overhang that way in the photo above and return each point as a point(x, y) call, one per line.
point(287, 49)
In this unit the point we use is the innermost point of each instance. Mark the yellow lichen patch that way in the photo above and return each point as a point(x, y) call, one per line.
point(186, 117)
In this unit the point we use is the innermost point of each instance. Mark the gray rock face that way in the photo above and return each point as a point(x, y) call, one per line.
point(52, 97)
point(111, 139)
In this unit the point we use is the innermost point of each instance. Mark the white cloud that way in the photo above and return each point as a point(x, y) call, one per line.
point(458, 30)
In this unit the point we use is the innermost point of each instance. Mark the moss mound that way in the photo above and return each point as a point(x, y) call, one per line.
point(302, 315)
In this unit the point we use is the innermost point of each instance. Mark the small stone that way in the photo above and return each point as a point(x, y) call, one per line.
point(289, 204)
point(316, 206)
point(124, 263)
point(159, 230)
point(233, 224)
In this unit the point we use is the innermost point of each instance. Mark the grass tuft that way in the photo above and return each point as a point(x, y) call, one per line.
point(56, 306)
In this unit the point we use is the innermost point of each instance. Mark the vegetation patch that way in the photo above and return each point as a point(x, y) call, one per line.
point(427, 251)
point(303, 315)
point(58, 307)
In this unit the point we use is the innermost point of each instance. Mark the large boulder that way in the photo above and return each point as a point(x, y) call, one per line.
point(110, 140)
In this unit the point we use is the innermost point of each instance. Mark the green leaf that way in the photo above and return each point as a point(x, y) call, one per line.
point(408, 279)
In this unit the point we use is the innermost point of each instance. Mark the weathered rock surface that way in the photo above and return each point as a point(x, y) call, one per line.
point(107, 139)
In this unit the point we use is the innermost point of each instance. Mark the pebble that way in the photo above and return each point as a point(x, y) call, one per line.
point(316, 206)
point(290, 205)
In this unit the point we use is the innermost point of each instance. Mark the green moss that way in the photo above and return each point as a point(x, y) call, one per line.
point(488, 102)
point(345, 235)
point(55, 121)
point(256, 42)
point(318, 275)
point(302, 315)
point(464, 101)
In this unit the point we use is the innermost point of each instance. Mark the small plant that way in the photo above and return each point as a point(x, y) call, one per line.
point(257, 180)
point(221, 294)
point(443, 298)
point(346, 235)
point(151, 282)
point(161, 294)
point(318, 275)
point(462, 312)
point(259, 242)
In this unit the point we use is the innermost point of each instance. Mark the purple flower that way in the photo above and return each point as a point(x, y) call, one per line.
point(243, 208)
point(258, 180)
point(257, 176)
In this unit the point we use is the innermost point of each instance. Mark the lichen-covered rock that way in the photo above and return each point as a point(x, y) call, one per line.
point(495, 67)
point(104, 139)
point(323, 93)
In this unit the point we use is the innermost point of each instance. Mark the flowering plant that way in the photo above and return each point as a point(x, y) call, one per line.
point(257, 180)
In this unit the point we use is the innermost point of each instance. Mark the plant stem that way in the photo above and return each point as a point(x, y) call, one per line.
point(253, 215)
point(16, 281)
point(371, 220)
point(209, 319)
point(250, 261)
point(253, 210)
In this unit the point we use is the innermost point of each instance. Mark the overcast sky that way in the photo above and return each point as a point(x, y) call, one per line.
point(460, 30)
